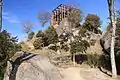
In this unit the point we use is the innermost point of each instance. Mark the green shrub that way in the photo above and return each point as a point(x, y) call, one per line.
point(8, 47)
point(43, 37)
point(19, 47)
point(79, 46)
point(51, 36)
point(92, 42)
point(65, 47)
point(45, 40)
point(92, 23)
point(1, 76)
point(64, 38)
point(93, 60)
point(117, 41)
point(30, 35)
point(105, 61)
point(118, 62)
point(38, 43)
point(53, 48)
point(40, 34)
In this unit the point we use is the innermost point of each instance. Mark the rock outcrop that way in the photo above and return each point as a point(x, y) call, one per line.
point(95, 49)
point(106, 40)
point(62, 27)
point(30, 66)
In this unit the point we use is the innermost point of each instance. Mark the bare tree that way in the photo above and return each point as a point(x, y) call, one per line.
point(0, 14)
point(27, 26)
point(44, 17)
point(112, 15)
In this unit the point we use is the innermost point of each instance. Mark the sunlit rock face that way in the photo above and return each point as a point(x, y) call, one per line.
point(30, 66)
point(63, 27)
point(106, 40)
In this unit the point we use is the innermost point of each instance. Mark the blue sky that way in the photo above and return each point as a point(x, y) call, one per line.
point(15, 11)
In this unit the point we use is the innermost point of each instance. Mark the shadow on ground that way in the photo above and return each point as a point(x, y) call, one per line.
point(100, 61)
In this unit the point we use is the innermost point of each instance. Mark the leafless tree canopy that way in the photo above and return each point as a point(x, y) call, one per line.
point(27, 26)
point(44, 17)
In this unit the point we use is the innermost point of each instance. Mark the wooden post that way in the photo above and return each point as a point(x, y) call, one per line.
point(61, 13)
point(56, 15)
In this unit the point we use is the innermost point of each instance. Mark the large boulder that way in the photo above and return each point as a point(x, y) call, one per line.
point(95, 49)
point(28, 66)
point(106, 40)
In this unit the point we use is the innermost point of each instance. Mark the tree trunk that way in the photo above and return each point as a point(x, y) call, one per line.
point(0, 14)
point(112, 56)
point(42, 31)
point(112, 5)
point(73, 59)
point(114, 71)
point(70, 32)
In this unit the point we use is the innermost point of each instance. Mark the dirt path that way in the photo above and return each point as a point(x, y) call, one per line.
point(72, 74)
point(75, 73)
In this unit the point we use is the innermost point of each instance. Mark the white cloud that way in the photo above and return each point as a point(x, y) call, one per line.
point(13, 21)
point(22, 37)
point(10, 18)
point(5, 17)
point(5, 13)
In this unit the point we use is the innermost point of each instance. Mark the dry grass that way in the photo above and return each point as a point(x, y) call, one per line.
point(44, 51)
point(25, 47)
